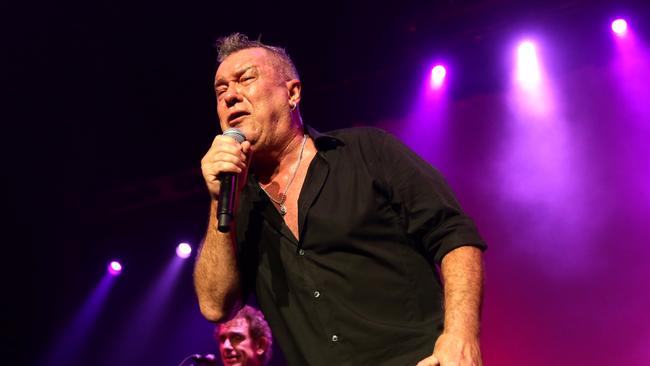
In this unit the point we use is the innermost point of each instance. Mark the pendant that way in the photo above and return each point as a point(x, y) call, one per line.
point(283, 210)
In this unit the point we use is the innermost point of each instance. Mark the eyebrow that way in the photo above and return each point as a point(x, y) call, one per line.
point(222, 81)
point(230, 334)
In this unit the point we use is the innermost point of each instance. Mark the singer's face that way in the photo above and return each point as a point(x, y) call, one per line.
point(236, 345)
point(252, 95)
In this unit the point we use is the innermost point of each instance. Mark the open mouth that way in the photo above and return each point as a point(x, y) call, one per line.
point(235, 116)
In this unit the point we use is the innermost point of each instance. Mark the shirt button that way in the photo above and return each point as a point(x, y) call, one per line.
point(335, 338)
point(316, 294)
point(301, 252)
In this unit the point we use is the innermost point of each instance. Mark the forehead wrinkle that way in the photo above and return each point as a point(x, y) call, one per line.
point(236, 74)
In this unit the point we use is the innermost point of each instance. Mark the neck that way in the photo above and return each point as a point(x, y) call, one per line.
point(282, 162)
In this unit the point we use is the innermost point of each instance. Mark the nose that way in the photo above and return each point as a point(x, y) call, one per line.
point(226, 344)
point(232, 95)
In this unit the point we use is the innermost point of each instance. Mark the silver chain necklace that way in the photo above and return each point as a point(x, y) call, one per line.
point(283, 196)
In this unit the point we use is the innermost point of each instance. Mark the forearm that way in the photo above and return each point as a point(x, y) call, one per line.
point(462, 271)
point(216, 274)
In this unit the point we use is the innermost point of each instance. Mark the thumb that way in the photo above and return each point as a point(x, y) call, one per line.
point(248, 151)
point(246, 147)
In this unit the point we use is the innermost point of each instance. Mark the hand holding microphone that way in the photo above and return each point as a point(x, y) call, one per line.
point(221, 166)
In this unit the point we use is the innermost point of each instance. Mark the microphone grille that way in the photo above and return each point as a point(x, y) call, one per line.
point(205, 357)
point(236, 134)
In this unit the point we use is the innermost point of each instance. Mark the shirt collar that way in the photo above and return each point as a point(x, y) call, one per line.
point(322, 141)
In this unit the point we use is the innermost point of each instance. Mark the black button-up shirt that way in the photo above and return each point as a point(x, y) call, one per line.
point(360, 287)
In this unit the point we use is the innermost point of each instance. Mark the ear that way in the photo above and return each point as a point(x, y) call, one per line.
point(294, 88)
point(262, 346)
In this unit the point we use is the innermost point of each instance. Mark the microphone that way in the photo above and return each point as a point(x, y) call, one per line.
point(207, 357)
point(228, 189)
point(198, 359)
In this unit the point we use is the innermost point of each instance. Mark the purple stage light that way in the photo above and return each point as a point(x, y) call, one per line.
point(619, 26)
point(438, 74)
point(149, 315)
point(67, 344)
point(183, 250)
point(114, 268)
point(528, 73)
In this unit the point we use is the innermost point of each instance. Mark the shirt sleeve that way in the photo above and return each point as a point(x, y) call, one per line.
point(428, 208)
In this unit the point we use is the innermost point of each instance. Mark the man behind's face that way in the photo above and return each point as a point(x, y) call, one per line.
point(236, 345)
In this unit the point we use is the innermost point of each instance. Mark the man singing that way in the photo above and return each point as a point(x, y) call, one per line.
point(355, 247)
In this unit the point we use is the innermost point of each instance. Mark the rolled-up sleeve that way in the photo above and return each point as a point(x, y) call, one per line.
point(428, 208)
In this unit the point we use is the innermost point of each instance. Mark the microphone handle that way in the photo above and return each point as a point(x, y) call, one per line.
point(228, 190)
point(226, 205)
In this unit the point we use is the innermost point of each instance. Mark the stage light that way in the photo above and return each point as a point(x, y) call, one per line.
point(114, 268)
point(438, 74)
point(528, 73)
point(148, 313)
point(183, 250)
point(619, 26)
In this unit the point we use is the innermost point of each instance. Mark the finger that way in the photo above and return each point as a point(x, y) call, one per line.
point(429, 361)
point(222, 156)
point(220, 151)
point(225, 142)
point(212, 171)
point(230, 148)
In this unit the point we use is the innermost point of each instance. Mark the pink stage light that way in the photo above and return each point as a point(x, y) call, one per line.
point(438, 74)
point(183, 250)
point(619, 27)
point(528, 73)
point(114, 268)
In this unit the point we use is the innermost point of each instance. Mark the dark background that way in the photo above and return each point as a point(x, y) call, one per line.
point(109, 108)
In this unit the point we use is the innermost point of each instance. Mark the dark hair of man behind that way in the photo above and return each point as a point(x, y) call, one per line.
point(257, 327)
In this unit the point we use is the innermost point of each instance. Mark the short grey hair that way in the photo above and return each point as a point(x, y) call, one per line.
point(235, 42)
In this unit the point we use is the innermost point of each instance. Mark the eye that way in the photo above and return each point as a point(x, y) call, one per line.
point(246, 78)
point(237, 338)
